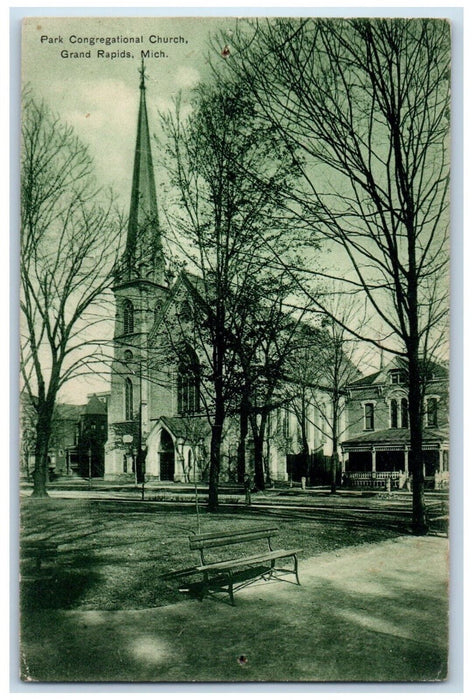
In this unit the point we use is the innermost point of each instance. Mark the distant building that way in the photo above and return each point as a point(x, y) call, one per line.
point(378, 439)
point(78, 437)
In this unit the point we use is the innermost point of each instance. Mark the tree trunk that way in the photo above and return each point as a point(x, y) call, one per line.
point(416, 467)
point(419, 520)
point(305, 444)
point(258, 441)
point(214, 471)
point(241, 454)
point(334, 459)
point(43, 433)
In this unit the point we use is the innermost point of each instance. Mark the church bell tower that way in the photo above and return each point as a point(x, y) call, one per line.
point(139, 289)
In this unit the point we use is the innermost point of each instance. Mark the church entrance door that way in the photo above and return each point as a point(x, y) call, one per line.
point(166, 457)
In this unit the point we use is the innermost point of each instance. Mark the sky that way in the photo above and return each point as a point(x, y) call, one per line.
point(98, 94)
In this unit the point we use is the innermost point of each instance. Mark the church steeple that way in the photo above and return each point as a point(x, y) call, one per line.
point(143, 258)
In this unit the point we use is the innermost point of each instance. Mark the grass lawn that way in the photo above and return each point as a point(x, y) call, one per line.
point(112, 554)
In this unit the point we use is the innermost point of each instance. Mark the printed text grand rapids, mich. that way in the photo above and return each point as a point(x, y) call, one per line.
point(117, 42)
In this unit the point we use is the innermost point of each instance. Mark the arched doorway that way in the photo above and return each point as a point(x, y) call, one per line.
point(166, 457)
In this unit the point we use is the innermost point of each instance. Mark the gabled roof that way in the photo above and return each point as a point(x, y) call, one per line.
point(436, 370)
point(181, 427)
point(95, 407)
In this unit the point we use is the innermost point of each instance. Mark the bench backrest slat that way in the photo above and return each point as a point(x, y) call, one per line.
point(221, 539)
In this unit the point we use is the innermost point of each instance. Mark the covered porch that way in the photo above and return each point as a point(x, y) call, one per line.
point(381, 458)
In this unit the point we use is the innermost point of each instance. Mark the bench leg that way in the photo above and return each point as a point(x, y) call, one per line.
point(296, 570)
point(230, 589)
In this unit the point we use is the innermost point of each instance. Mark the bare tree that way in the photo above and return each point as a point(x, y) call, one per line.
point(364, 107)
point(69, 241)
point(324, 365)
point(224, 222)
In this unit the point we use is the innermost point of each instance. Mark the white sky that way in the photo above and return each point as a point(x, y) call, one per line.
point(99, 96)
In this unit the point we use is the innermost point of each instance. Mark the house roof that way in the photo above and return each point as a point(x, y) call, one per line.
point(435, 370)
point(95, 407)
point(395, 437)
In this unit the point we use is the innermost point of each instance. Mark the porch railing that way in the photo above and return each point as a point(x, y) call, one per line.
point(374, 480)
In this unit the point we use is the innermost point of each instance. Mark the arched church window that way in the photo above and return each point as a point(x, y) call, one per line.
point(188, 383)
point(128, 316)
point(128, 399)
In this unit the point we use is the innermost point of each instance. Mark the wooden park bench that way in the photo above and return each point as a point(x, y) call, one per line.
point(231, 574)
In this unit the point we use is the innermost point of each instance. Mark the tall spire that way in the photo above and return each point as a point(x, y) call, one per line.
point(143, 257)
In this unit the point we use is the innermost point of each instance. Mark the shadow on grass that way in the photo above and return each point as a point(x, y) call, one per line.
point(59, 585)
point(345, 626)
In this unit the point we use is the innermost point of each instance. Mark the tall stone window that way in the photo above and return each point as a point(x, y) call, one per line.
point(188, 383)
point(128, 399)
point(128, 317)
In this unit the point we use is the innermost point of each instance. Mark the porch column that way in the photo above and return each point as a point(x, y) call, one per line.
point(179, 462)
point(373, 460)
point(343, 462)
point(406, 460)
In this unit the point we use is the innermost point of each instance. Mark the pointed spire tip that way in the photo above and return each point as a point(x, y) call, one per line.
point(142, 75)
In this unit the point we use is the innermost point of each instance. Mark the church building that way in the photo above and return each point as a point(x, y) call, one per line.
point(157, 425)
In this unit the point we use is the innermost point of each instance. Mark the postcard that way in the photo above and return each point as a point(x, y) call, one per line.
point(234, 460)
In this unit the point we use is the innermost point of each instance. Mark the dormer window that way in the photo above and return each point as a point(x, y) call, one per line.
point(398, 377)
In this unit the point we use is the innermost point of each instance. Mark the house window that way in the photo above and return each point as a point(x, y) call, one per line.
point(404, 414)
point(432, 412)
point(128, 316)
point(394, 413)
point(398, 377)
point(369, 416)
point(188, 383)
point(128, 399)
point(128, 356)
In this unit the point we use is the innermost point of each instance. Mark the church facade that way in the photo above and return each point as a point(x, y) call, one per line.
point(157, 415)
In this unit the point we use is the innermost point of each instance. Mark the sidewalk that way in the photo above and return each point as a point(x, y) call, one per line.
point(369, 613)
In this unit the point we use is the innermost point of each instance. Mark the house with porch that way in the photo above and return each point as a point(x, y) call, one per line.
point(377, 446)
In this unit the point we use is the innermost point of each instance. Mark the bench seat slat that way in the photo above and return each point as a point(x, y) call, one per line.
point(263, 556)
